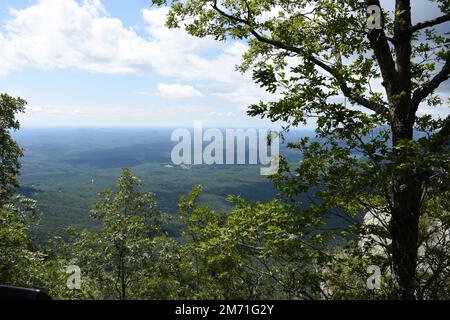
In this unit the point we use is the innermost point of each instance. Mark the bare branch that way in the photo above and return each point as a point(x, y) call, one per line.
point(429, 23)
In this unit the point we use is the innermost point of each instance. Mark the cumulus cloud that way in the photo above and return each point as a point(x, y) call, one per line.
point(177, 91)
point(65, 34)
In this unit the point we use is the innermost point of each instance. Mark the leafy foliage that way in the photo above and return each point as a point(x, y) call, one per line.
point(10, 152)
point(324, 62)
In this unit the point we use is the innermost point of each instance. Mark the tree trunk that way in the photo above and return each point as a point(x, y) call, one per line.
point(404, 222)
point(404, 232)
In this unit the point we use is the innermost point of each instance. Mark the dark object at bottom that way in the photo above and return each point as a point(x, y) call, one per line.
point(16, 293)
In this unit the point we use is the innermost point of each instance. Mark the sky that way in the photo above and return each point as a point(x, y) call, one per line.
point(114, 63)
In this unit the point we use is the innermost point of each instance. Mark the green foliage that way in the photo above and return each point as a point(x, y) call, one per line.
point(60, 164)
point(21, 263)
point(366, 159)
point(365, 166)
point(114, 259)
point(10, 152)
point(258, 251)
point(19, 260)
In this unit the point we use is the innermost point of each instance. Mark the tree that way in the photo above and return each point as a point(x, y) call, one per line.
point(21, 263)
point(256, 251)
point(375, 152)
point(114, 260)
point(10, 152)
point(279, 248)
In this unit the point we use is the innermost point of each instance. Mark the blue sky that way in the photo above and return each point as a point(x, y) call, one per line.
point(113, 63)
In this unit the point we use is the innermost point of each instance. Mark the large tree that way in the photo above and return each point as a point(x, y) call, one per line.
point(114, 259)
point(20, 262)
point(10, 152)
point(364, 86)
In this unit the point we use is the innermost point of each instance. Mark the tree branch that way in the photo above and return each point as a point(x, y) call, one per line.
point(380, 46)
point(346, 90)
point(427, 88)
point(429, 23)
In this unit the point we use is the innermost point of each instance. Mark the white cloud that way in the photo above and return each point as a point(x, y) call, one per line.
point(177, 91)
point(54, 110)
point(244, 93)
point(65, 34)
point(222, 114)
